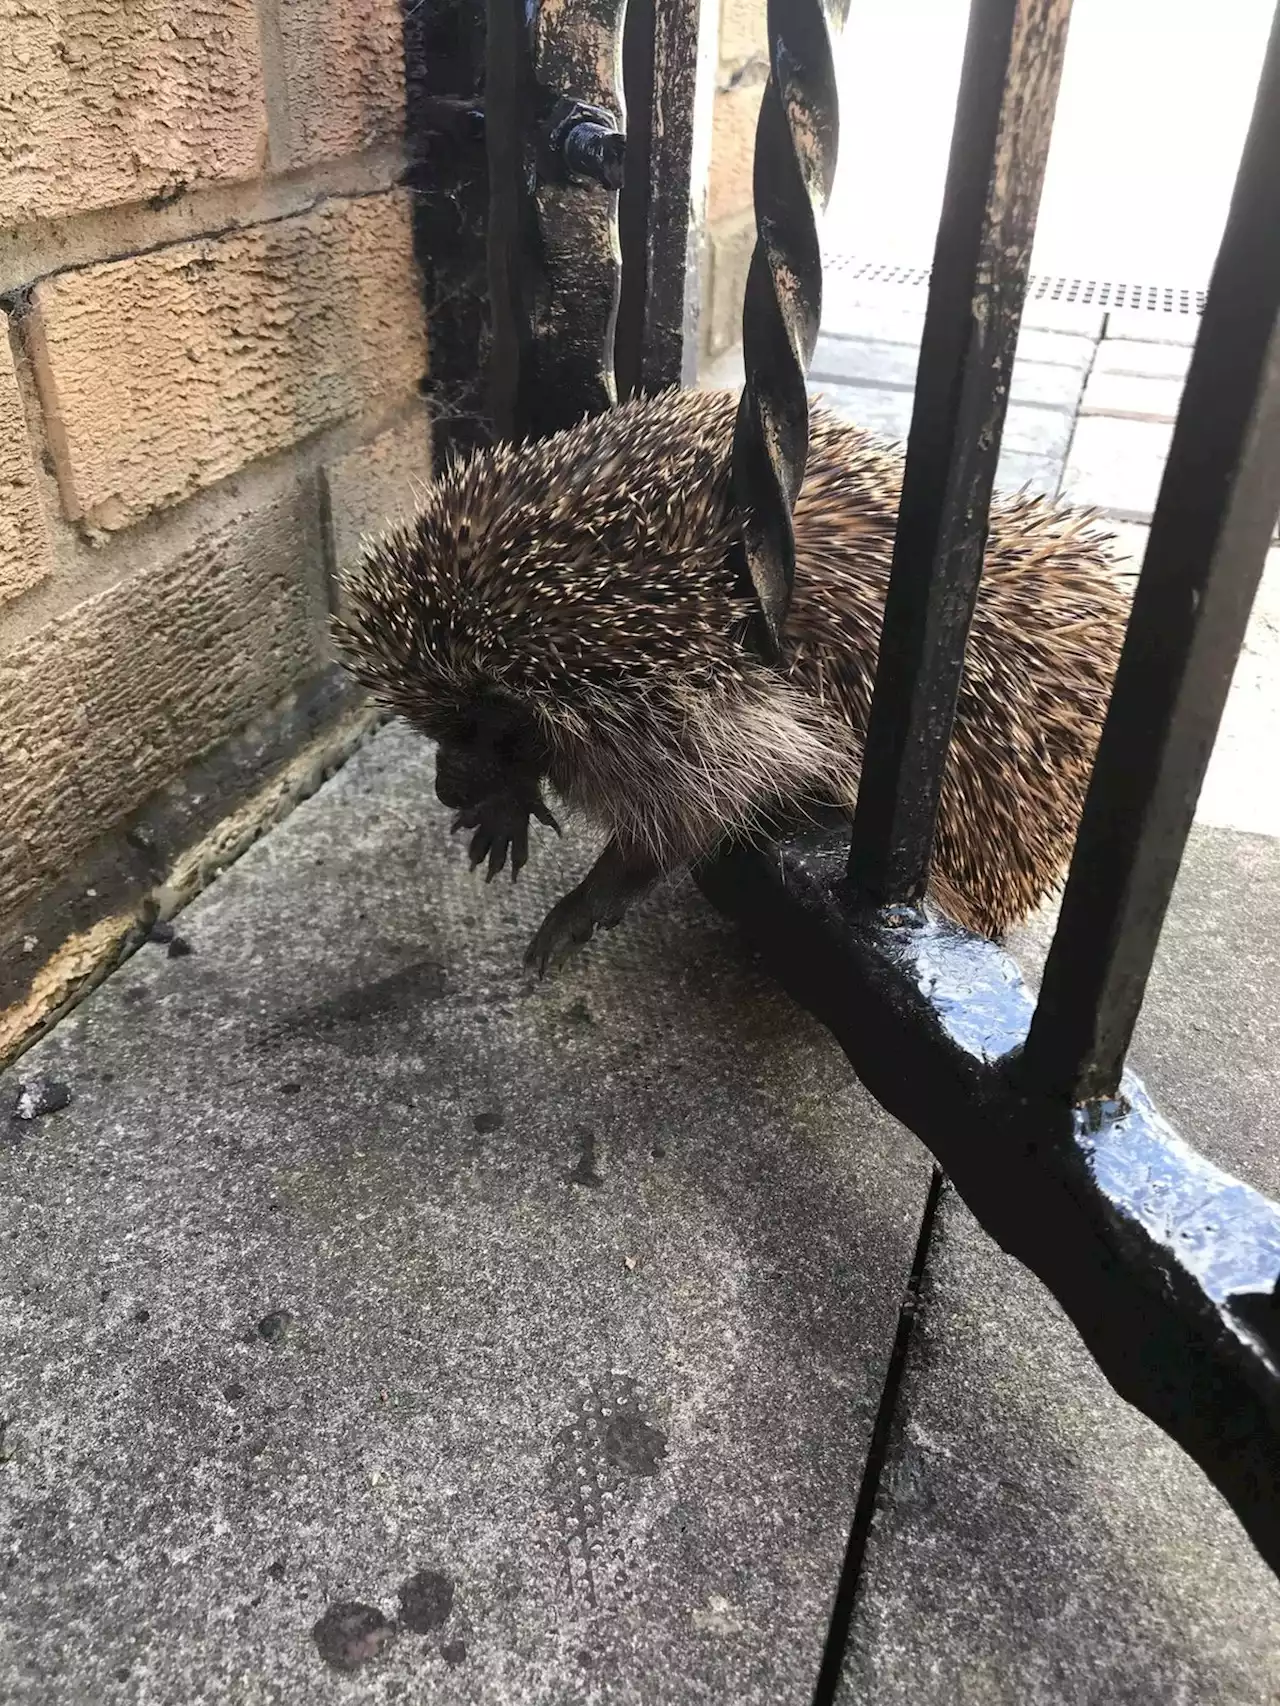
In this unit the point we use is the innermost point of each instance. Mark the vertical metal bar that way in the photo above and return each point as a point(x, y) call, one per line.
point(444, 141)
point(554, 259)
point(1008, 89)
point(509, 119)
point(686, 45)
point(635, 197)
point(669, 61)
point(797, 135)
point(1209, 538)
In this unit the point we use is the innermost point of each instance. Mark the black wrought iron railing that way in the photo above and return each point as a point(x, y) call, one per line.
point(1168, 1267)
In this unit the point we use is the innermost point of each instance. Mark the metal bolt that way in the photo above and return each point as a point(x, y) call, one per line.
point(584, 142)
point(594, 151)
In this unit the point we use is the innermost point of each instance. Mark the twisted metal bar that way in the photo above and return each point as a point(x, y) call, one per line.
point(795, 161)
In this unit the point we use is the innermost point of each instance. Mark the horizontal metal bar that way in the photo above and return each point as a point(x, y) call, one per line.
point(1167, 1266)
point(1008, 89)
point(797, 136)
point(1209, 537)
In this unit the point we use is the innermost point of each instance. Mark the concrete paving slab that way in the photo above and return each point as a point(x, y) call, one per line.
point(842, 359)
point(1148, 360)
point(849, 295)
point(1050, 383)
point(882, 324)
point(1142, 326)
point(1242, 786)
point(1076, 318)
point(1054, 346)
point(846, 358)
point(888, 413)
point(1131, 397)
point(878, 409)
point(545, 1323)
point(1019, 471)
point(1037, 1542)
point(1117, 465)
point(1031, 429)
point(1130, 543)
point(895, 318)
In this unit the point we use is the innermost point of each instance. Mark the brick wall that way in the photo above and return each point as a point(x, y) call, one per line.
point(742, 72)
point(212, 350)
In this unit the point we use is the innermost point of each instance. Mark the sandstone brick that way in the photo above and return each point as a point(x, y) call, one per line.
point(743, 36)
point(24, 539)
point(168, 371)
point(103, 102)
point(733, 141)
point(102, 705)
point(375, 486)
point(344, 76)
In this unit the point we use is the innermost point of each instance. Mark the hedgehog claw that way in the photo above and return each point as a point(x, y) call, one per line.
point(543, 815)
point(600, 901)
point(519, 850)
point(481, 842)
point(566, 928)
point(497, 856)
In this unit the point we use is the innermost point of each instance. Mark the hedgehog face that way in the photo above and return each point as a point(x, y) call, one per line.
point(486, 748)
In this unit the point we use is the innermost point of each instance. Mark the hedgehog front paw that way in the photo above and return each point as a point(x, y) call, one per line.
point(501, 825)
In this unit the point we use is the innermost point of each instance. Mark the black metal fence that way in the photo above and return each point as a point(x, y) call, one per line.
point(1168, 1268)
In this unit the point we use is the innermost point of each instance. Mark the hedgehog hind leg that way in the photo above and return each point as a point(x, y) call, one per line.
point(620, 877)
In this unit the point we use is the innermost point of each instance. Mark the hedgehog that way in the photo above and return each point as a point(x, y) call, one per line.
point(567, 615)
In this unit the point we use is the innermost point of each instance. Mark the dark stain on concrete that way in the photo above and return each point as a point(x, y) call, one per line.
point(633, 1446)
point(583, 1172)
point(277, 1327)
point(350, 1634)
point(404, 990)
point(426, 1599)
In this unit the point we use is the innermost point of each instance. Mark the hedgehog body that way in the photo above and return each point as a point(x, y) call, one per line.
point(568, 611)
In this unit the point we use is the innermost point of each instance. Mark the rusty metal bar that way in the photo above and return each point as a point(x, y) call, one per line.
point(1008, 90)
point(554, 126)
point(1208, 544)
point(795, 160)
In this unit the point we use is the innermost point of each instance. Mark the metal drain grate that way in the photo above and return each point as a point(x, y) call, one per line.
point(1086, 292)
